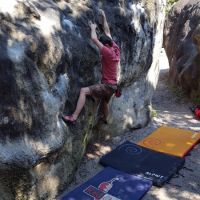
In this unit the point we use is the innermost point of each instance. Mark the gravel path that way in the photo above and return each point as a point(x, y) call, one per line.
point(171, 109)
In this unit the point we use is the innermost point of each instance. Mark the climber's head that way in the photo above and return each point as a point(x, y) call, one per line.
point(104, 39)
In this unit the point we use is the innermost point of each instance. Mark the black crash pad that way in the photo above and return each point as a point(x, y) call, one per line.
point(138, 160)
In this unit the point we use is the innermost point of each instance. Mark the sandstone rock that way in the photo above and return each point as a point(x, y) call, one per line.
point(139, 74)
point(46, 56)
point(181, 42)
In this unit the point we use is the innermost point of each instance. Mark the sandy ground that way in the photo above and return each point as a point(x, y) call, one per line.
point(171, 109)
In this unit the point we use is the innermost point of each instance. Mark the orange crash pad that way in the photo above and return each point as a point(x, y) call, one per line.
point(174, 141)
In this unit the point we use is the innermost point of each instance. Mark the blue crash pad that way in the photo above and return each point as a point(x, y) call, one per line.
point(111, 184)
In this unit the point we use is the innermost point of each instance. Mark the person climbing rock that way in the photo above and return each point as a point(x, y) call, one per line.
point(110, 57)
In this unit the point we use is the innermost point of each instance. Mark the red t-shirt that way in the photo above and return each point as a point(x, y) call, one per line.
point(110, 59)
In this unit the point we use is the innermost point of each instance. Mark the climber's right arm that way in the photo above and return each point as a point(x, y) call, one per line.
point(94, 35)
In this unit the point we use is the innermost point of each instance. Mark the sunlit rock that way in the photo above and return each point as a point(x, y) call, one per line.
point(46, 56)
point(182, 45)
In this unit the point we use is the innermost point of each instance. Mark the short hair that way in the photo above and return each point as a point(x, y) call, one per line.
point(104, 39)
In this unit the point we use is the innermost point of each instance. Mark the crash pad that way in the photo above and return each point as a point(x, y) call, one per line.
point(170, 140)
point(134, 159)
point(110, 184)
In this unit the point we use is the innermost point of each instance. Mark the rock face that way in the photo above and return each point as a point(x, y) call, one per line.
point(46, 56)
point(182, 44)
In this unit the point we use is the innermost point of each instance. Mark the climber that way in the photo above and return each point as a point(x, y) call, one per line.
point(110, 57)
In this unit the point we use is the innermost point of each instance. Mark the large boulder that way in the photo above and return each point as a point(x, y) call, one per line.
point(46, 56)
point(182, 45)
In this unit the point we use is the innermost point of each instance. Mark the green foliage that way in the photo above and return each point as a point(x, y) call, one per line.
point(196, 100)
point(195, 97)
point(170, 4)
point(153, 112)
point(178, 91)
